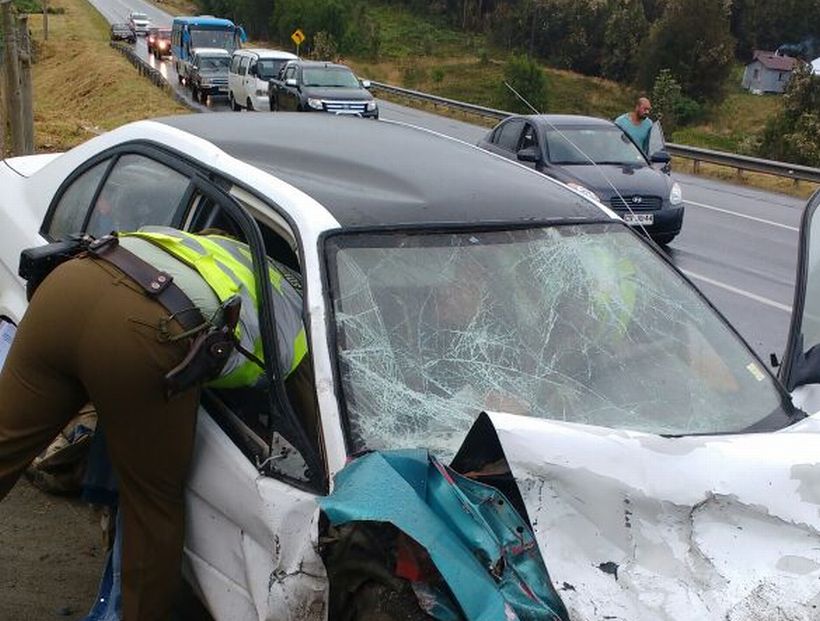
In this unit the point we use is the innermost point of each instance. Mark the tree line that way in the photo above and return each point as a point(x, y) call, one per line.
point(679, 51)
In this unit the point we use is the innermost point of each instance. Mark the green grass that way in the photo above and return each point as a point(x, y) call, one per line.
point(405, 34)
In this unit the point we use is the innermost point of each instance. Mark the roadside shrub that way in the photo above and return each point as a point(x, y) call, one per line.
point(324, 47)
point(412, 75)
point(437, 75)
point(526, 77)
point(483, 57)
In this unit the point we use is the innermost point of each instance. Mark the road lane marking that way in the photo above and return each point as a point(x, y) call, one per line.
point(742, 215)
point(743, 292)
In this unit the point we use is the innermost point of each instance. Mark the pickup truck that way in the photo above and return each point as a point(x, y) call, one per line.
point(208, 73)
point(314, 86)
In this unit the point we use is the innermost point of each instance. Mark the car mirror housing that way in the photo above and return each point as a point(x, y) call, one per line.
point(660, 157)
point(366, 83)
point(530, 154)
point(291, 82)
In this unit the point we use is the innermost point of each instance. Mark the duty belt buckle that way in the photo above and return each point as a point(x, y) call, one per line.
point(98, 246)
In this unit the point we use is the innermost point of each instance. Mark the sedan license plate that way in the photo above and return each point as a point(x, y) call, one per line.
point(636, 219)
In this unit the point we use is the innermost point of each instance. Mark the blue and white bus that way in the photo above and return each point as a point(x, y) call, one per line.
point(191, 32)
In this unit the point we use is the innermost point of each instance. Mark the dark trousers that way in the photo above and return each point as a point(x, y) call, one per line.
point(91, 334)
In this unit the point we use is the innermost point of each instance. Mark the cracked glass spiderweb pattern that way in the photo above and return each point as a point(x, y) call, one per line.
point(573, 323)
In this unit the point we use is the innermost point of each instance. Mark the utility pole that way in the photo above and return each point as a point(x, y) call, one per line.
point(45, 20)
point(14, 104)
point(26, 86)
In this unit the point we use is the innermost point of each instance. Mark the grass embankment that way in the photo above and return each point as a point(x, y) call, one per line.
point(81, 85)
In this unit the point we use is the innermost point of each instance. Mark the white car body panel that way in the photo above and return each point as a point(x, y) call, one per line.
point(251, 541)
point(703, 527)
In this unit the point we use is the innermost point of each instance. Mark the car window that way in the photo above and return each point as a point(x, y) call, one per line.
point(214, 63)
point(268, 68)
point(330, 77)
point(71, 211)
point(510, 134)
point(588, 145)
point(235, 64)
point(243, 66)
point(528, 137)
point(138, 191)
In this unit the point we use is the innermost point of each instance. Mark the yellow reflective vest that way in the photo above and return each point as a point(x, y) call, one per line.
point(225, 264)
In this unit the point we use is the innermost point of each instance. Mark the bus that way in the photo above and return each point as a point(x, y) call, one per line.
point(191, 32)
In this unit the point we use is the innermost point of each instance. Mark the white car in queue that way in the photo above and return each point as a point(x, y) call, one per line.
point(251, 69)
point(665, 472)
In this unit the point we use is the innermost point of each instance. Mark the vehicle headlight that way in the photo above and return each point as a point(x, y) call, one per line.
point(162, 44)
point(675, 194)
point(316, 104)
point(585, 192)
point(371, 106)
point(261, 92)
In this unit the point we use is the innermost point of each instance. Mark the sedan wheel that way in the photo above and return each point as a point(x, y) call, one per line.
point(234, 106)
point(249, 105)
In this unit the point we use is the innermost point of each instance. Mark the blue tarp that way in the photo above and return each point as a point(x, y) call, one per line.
point(484, 551)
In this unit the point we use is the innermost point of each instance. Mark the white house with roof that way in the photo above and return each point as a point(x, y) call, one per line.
point(768, 72)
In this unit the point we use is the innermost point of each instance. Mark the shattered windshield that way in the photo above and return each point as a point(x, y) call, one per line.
point(579, 323)
point(601, 145)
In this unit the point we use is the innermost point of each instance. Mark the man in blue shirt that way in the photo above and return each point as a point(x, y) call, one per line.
point(637, 123)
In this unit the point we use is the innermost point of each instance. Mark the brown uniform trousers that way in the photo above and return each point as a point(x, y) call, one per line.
point(91, 334)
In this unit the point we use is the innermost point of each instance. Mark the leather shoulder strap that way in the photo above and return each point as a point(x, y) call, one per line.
point(156, 283)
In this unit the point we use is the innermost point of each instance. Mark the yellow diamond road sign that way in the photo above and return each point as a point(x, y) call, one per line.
point(298, 36)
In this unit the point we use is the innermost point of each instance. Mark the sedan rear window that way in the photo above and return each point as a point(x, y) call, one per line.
point(578, 323)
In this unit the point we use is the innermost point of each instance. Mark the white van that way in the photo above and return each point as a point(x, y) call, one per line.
point(249, 74)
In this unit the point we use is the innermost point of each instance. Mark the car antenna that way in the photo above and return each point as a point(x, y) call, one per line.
point(581, 151)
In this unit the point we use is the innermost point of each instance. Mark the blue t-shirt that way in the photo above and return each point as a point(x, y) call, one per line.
point(638, 133)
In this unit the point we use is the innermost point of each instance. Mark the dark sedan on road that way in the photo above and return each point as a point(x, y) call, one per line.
point(596, 158)
point(123, 32)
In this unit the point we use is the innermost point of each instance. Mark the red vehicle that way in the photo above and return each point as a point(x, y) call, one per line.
point(159, 42)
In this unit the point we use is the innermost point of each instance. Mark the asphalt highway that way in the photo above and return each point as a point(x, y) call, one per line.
point(738, 244)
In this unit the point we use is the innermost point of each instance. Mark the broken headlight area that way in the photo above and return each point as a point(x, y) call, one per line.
point(410, 538)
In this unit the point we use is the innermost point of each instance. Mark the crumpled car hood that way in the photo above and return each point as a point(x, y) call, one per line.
point(635, 526)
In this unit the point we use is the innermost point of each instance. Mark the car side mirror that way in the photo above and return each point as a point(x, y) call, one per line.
point(252, 70)
point(366, 83)
point(291, 82)
point(530, 154)
point(660, 157)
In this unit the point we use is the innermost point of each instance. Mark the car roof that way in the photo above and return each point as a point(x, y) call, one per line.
point(375, 173)
point(267, 53)
point(211, 51)
point(319, 63)
point(565, 120)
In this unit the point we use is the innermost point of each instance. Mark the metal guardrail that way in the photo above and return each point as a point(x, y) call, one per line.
point(696, 154)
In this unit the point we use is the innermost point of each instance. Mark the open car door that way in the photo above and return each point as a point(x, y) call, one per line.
point(800, 371)
point(657, 149)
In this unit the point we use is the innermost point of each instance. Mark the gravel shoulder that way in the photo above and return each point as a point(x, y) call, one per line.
point(51, 556)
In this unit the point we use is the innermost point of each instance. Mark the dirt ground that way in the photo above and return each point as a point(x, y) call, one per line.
point(51, 556)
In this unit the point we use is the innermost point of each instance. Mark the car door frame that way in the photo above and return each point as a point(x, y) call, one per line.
point(796, 357)
point(279, 535)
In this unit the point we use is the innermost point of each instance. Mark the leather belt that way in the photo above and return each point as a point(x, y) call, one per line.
point(157, 284)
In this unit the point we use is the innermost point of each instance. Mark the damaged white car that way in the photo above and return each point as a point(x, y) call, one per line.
point(651, 459)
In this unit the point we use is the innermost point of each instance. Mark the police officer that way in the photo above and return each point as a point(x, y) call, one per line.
point(99, 329)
